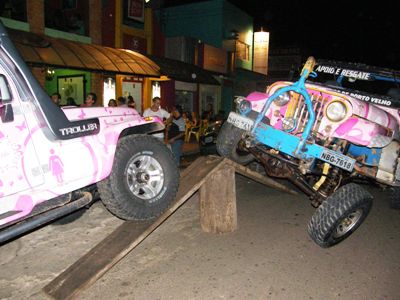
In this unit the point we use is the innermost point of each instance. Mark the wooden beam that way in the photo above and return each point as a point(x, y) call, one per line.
point(219, 215)
point(268, 181)
point(126, 237)
point(218, 202)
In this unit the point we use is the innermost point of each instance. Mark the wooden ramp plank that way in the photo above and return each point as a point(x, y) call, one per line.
point(129, 234)
point(126, 237)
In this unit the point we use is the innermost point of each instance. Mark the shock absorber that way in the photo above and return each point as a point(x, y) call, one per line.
point(327, 184)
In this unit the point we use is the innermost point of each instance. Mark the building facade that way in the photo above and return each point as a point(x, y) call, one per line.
point(214, 40)
point(219, 37)
point(80, 56)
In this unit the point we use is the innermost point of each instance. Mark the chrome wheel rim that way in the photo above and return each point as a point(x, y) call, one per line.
point(348, 223)
point(144, 177)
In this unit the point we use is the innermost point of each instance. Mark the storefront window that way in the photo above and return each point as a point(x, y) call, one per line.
point(109, 90)
point(209, 99)
point(156, 89)
point(71, 88)
point(185, 99)
point(67, 15)
point(133, 86)
point(242, 50)
point(13, 9)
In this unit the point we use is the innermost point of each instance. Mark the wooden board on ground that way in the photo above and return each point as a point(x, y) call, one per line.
point(128, 235)
point(243, 170)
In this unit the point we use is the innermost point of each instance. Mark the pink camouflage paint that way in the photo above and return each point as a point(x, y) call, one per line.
point(357, 127)
point(29, 161)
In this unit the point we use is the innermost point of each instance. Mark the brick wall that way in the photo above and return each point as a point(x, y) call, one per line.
point(35, 14)
point(95, 22)
point(40, 75)
point(108, 24)
point(97, 87)
point(95, 27)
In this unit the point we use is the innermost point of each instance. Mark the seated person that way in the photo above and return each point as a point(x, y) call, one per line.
point(176, 133)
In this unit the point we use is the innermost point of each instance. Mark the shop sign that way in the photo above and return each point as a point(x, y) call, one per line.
point(261, 45)
point(136, 10)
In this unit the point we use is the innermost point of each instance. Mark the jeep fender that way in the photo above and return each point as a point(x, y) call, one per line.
point(142, 129)
point(107, 164)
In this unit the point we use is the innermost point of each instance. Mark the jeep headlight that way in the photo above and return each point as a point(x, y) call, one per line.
point(336, 111)
point(282, 99)
point(244, 107)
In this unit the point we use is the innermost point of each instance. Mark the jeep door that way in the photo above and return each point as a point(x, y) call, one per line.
point(19, 165)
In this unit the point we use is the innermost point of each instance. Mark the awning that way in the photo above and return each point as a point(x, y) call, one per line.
point(181, 71)
point(38, 50)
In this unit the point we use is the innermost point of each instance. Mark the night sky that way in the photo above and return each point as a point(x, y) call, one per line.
point(355, 31)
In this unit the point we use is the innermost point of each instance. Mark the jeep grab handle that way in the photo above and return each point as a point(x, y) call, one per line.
point(308, 66)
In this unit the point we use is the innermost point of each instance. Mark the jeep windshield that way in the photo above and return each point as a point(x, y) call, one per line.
point(370, 84)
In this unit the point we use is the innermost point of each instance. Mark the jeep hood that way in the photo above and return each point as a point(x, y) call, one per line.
point(78, 113)
point(109, 113)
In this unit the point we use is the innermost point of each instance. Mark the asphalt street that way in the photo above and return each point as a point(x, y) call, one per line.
point(270, 256)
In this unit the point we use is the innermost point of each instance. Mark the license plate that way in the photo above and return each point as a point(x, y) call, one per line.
point(240, 121)
point(338, 159)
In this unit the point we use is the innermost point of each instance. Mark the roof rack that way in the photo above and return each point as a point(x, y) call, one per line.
point(358, 70)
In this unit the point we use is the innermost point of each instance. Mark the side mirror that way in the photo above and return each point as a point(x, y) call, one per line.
point(6, 110)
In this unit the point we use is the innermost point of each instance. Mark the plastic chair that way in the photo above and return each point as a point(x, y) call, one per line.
point(197, 131)
point(188, 127)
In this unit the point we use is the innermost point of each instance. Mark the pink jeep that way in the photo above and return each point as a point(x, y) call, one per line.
point(325, 138)
point(50, 158)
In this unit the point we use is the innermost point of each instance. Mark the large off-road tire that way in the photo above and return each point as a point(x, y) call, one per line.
point(339, 215)
point(227, 144)
point(394, 197)
point(144, 179)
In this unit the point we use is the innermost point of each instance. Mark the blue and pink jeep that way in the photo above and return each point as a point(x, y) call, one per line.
point(326, 138)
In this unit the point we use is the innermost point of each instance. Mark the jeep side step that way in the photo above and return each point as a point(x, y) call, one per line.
point(41, 219)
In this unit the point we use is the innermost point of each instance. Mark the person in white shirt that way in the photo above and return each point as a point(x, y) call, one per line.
point(156, 110)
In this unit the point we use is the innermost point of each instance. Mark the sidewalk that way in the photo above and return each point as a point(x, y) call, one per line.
point(269, 256)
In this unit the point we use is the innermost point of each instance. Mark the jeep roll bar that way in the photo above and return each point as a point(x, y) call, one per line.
point(299, 88)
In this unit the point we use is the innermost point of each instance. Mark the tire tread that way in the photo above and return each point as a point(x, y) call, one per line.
point(119, 201)
point(328, 214)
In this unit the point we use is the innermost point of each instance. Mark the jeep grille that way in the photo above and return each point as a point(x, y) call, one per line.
point(301, 114)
